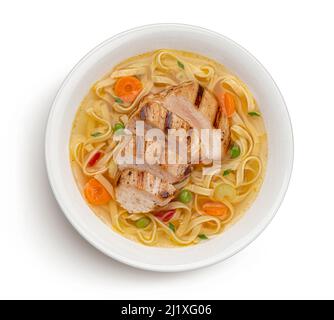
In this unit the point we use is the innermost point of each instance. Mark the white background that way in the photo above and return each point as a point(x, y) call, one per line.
point(42, 256)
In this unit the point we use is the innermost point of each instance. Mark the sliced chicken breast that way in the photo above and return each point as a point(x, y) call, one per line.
point(155, 114)
point(208, 106)
point(139, 191)
point(170, 173)
point(222, 122)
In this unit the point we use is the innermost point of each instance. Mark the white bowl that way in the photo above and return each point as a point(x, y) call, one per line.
point(98, 62)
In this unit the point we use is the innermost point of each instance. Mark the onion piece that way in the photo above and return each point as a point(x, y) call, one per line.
point(112, 169)
point(223, 191)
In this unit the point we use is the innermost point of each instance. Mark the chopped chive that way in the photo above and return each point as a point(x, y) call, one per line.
point(235, 151)
point(203, 237)
point(118, 100)
point(96, 134)
point(227, 172)
point(254, 114)
point(180, 64)
point(118, 126)
point(142, 223)
point(171, 226)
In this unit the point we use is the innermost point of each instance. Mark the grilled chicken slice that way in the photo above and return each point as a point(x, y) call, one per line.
point(151, 108)
point(222, 122)
point(211, 110)
point(140, 191)
point(208, 106)
point(170, 173)
point(188, 90)
point(155, 114)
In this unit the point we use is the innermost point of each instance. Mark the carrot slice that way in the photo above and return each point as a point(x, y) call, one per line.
point(96, 193)
point(227, 103)
point(215, 208)
point(128, 88)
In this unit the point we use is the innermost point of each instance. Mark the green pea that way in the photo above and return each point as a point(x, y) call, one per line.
point(227, 172)
point(235, 151)
point(142, 223)
point(185, 196)
point(118, 126)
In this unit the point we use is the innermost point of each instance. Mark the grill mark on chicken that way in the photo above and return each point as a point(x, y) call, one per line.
point(142, 113)
point(168, 121)
point(199, 96)
point(187, 171)
point(140, 180)
point(164, 194)
point(217, 118)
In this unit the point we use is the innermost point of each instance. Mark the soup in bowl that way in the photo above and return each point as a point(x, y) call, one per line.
point(163, 148)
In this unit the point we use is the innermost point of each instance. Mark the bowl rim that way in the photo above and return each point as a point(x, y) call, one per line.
point(133, 262)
